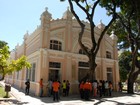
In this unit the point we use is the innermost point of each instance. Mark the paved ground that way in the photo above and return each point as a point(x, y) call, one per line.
point(19, 98)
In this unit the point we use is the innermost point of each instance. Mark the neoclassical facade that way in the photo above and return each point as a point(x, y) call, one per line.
point(54, 52)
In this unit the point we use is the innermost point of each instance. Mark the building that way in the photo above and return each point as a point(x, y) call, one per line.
point(53, 51)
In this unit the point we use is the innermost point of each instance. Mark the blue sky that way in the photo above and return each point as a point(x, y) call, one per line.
point(19, 16)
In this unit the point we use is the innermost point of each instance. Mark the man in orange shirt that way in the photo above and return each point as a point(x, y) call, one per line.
point(55, 86)
point(82, 89)
point(41, 87)
point(87, 89)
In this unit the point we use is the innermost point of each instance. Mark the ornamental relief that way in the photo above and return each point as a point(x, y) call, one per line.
point(108, 46)
point(56, 55)
point(57, 24)
point(109, 62)
point(59, 35)
point(52, 54)
point(75, 36)
point(109, 40)
point(60, 55)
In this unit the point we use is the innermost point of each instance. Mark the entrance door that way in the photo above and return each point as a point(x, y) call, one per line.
point(109, 74)
point(82, 73)
point(54, 74)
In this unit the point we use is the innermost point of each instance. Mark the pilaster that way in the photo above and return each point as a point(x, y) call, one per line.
point(68, 39)
point(45, 26)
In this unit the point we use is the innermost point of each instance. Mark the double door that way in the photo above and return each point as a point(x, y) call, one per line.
point(54, 74)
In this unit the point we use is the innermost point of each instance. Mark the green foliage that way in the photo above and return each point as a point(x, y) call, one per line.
point(2, 44)
point(82, 1)
point(8, 66)
point(124, 64)
point(127, 25)
point(2, 92)
point(119, 30)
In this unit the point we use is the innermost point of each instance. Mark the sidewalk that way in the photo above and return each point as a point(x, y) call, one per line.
point(19, 98)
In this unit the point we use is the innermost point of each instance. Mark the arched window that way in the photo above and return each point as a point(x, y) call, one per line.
point(55, 45)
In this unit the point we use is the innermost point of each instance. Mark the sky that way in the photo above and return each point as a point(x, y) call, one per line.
point(19, 16)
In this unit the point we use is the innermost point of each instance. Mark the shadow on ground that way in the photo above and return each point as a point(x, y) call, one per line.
point(13, 102)
point(99, 100)
point(115, 102)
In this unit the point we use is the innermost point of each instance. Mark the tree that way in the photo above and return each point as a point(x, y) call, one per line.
point(8, 66)
point(127, 26)
point(124, 64)
point(89, 9)
point(2, 43)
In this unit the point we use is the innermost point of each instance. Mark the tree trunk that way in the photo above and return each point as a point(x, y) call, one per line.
point(2, 78)
point(130, 85)
point(3, 75)
point(91, 73)
point(92, 66)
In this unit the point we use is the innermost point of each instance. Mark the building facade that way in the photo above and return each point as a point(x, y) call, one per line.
point(54, 52)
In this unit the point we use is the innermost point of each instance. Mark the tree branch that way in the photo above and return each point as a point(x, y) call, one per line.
point(106, 28)
point(81, 25)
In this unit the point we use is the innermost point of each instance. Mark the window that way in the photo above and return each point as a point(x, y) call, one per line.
point(54, 65)
point(33, 72)
point(55, 45)
point(81, 52)
point(109, 74)
point(54, 70)
point(17, 74)
point(83, 70)
point(108, 54)
point(83, 64)
point(30, 73)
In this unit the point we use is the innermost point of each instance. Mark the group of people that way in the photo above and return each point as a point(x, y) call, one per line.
point(65, 87)
point(54, 88)
point(86, 88)
point(95, 88)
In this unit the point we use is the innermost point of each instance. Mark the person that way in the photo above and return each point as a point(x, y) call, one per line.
point(120, 86)
point(87, 89)
point(27, 83)
point(56, 87)
point(100, 88)
point(41, 87)
point(59, 91)
point(110, 88)
point(95, 88)
point(103, 87)
point(67, 87)
point(64, 87)
point(49, 86)
point(106, 88)
point(81, 87)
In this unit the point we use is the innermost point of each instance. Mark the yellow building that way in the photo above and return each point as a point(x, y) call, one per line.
point(53, 51)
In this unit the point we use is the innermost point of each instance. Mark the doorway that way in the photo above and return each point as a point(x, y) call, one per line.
point(54, 74)
point(109, 74)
